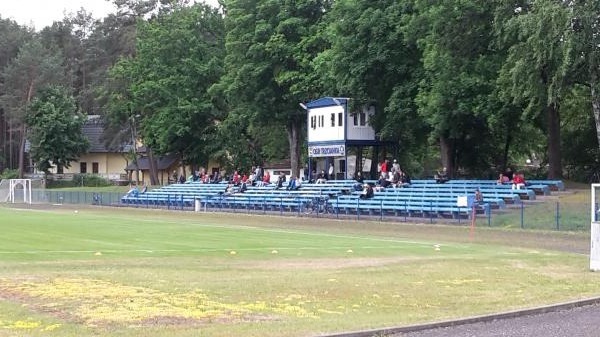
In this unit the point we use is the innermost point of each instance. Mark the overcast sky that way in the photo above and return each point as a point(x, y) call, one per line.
point(41, 13)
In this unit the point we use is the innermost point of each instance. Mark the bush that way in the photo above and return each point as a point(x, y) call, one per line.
point(79, 180)
point(9, 174)
point(90, 180)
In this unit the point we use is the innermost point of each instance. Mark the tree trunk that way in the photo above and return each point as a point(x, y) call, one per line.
point(447, 155)
point(596, 106)
point(24, 134)
point(554, 155)
point(293, 131)
point(3, 132)
point(153, 169)
point(504, 163)
point(374, 174)
point(359, 160)
point(22, 152)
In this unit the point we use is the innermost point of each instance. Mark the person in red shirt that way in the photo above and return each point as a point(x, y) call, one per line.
point(384, 169)
point(518, 181)
point(266, 178)
point(235, 180)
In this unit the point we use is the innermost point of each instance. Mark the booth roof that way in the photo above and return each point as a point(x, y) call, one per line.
point(326, 101)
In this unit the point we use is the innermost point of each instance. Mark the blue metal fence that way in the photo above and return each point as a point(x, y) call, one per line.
point(550, 215)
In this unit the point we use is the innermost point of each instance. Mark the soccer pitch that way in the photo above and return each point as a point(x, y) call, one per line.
point(136, 272)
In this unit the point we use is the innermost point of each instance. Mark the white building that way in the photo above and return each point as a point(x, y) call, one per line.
point(332, 130)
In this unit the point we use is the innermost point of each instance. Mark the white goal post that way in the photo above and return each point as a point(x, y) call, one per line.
point(595, 229)
point(25, 185)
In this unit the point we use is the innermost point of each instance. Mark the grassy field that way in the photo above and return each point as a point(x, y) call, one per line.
point(133, 272)
point(571, 207)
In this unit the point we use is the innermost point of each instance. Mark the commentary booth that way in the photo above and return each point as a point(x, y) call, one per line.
point(337, 136)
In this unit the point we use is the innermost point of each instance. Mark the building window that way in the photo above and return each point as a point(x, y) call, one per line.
point(95, 168)
point(343, 165)
point(340, 119)
point(83, 167)
point(332, 120)
point(313, 122)
point(60, 169)
point(363, 119)
point(321, 121)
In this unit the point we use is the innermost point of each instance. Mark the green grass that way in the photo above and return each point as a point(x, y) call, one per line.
point(133, 272)
point(572, 209)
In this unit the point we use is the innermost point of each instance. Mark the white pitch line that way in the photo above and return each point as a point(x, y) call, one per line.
point(269, 249)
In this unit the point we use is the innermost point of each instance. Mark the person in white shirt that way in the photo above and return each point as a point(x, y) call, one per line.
point(330, 173)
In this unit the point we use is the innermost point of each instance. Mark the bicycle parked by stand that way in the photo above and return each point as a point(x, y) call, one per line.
point(319, 205)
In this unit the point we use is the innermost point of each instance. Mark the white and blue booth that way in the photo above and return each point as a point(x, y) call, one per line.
point(333, 130)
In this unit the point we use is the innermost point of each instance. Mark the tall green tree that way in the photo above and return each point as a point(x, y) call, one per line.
point(33, 68)
point(55, 129)
point(534, 73)
point(12, 38)
point(179, 55)
point(585, 54)
point(270, 47)
point(372, 61)
point(459, 67)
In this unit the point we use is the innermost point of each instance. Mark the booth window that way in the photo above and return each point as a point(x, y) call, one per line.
point(332, 120)
point(363, 119)
point(340, 119)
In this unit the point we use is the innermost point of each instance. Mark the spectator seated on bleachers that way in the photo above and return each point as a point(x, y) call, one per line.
point(216, 178)
point(383, 182)
point(292, 185)
point(441, 176)
point(236, 179)
point(404, 180)
point(518, 181)
point(299, 182)
point(230, 190)
point(280, 181)
point(321, 178)
point(502, 179)
point(367, 192)
point(358, 185)
point(133, 192)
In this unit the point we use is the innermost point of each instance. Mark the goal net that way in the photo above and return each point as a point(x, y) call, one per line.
point(4, 190)
point(22, 190)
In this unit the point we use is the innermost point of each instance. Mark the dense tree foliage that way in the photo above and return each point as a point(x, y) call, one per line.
point(472, 85)
point(179, 56)
point(55, 129)
point(270, 45)
point(373, 61)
